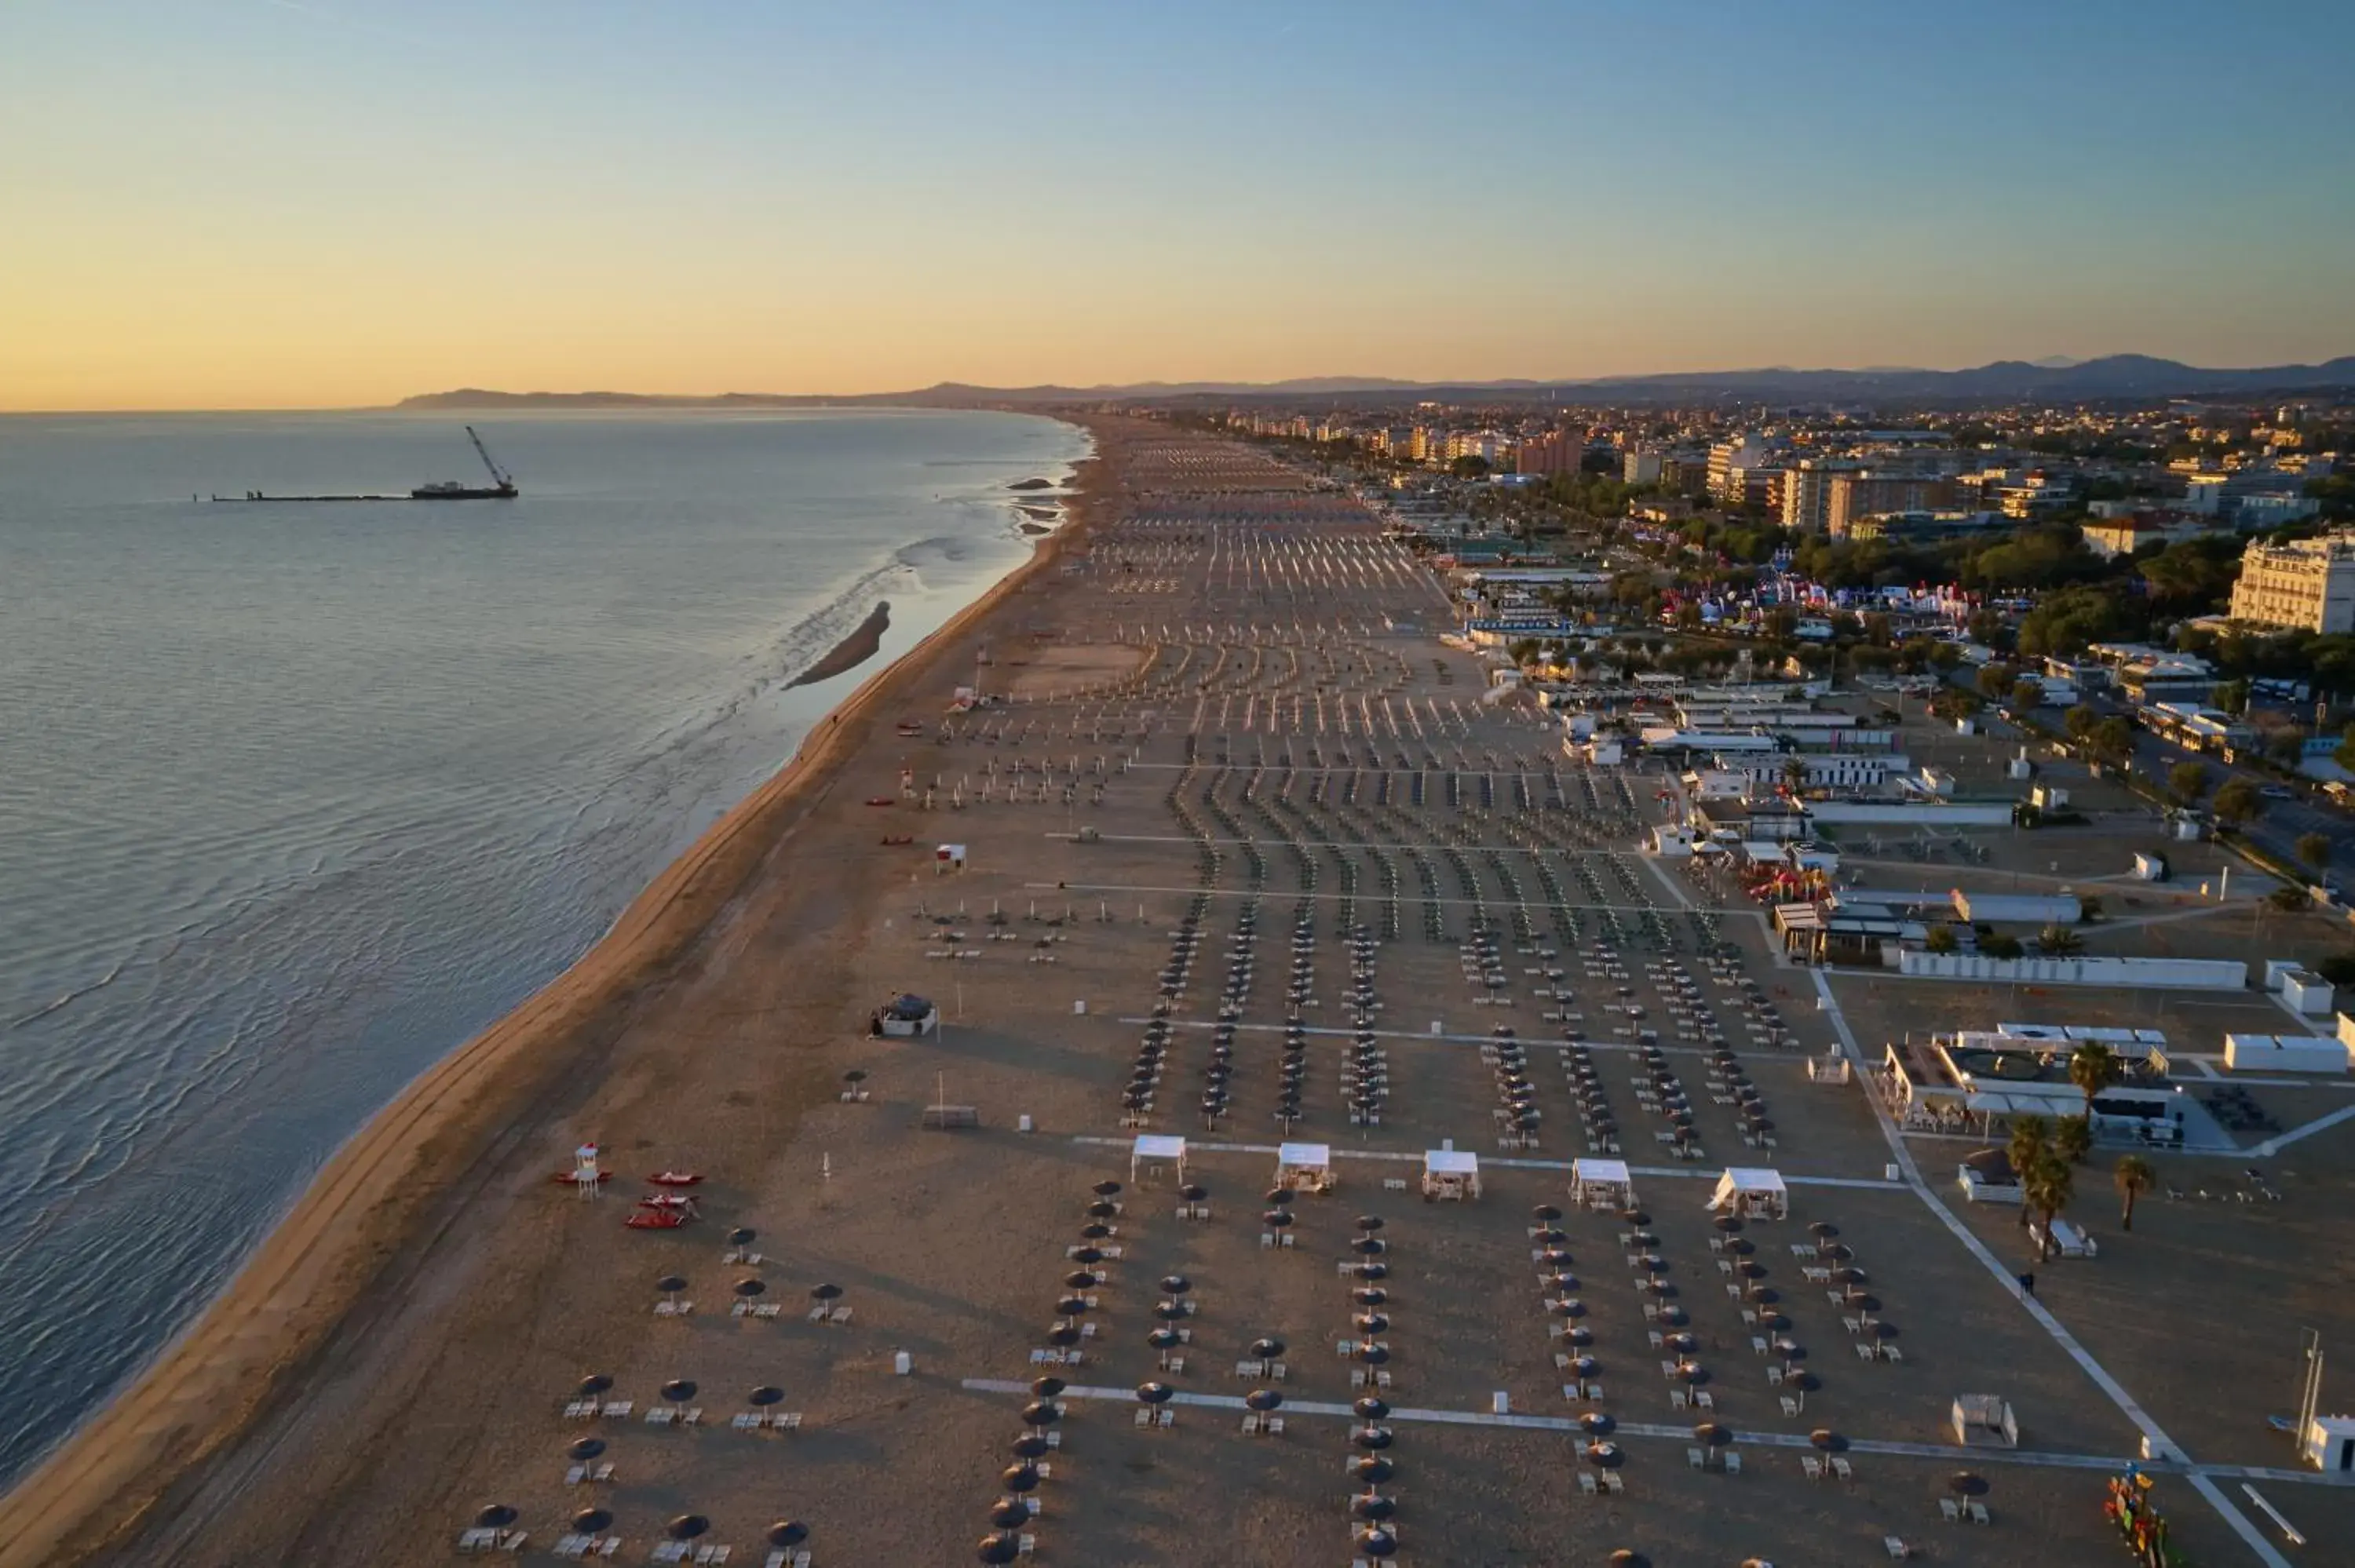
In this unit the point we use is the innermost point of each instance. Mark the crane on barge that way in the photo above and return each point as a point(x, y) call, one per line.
point(502, 486)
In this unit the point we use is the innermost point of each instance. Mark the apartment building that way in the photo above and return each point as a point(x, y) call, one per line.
point(2307, 585)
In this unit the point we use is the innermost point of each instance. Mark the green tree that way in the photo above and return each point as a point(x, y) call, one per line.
point(2059, 942)
point(1939, 939)
point(2081, 720)
point(2026, 695)
point(2232, 696)
point(1993, 681)
point(2000, 946)
point(2072, 1139)
point(2093, 1067)
point(2025, 1150)
point(2238, 803)
point(2345, 755)
point(2188, 781)
point(2050, 1186)
point(2289, 898)
point(2287, 748)
point(2133, 1176)
point(2314, 848)
point(2113, 738)
point(1471, 465)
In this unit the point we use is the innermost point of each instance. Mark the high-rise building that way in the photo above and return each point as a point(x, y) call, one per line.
point(1807, 493)
point(1640, 466)
point(2307, 585)
point(1555, 451)
point(1856, 496)
point(1727, 459)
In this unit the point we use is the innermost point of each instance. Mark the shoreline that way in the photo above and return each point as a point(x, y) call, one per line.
point(208, 1386)
point(852, 651)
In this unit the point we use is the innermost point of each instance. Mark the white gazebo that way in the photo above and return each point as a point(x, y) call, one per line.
point(1602, 1184)
point(1753, 1192)
point(1450, 1173)
point(1304, 1167)
point(1154, 1150)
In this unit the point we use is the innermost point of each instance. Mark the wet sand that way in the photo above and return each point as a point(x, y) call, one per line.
point(852, 651)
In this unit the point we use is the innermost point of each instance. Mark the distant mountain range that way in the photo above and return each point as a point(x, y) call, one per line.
point(2058, 379)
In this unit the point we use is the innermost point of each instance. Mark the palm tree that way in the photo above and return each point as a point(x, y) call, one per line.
point(2026, 1148)
point(2072, 1139)
point(2134, 1177)
point(2049, 1188)
point(2059, 942)
point(2093, 1067)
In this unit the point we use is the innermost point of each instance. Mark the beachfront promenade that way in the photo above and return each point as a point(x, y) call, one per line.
point(1247, 859)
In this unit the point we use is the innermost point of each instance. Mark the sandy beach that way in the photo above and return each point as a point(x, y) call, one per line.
point(1231, 850)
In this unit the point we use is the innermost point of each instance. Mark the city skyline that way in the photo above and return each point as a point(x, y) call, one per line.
point(261, 202)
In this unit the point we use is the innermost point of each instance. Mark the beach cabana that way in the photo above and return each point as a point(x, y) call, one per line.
point(1602, 1183)
point(1752, 1192)
point(907, 1015)
point(1152, 1150)
point(1304, 1167)
point(1984, 1420)
point(1450, 1173)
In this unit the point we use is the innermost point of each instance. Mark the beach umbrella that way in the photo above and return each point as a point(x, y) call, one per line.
point(1019, 1479)
point(1712, 1435)
point(1549, 1237)
point(594, 1384)
point(1567, 1307)
point(1750, 1268)
point(670, 1284)
point(678, 1390)
point(1823, 1229)
point(494, 1516)
point(1604, 1455)
point(1692, 1373)
point(1653, 1263)
point(788, 1532)
point(1088, 1255)
point(1878, 1329)
point(1154, 1392)
point(1095, 1230)
point(1373, 1506)
point(1845, 1274)
point(1580, 1337)
point(1279, 1196)
point(1176, 1284)
point(1064, 1335)
point(825, 1292)
point(1369, 1295)
point(1081, 1279)
point(1164, 1339)
point(1838, 1252)
point(1377, 1543)
point(766, 1394)
point(1072, 1306)
point(1371, 1271)
point(749, 1288)
point(687, 1526)
point(1102, 1209)
point(1003, 1547)
point(1277, 1219)
point(1193, 1194)
point(1627, 1557)
point(1636, 1216)
point(1106, 1189)
point(1031, 1446)
point(1170, 1311)
point(1040, 1413)
point(586, 1448)
point(1597, 1424)
point(589, 1520)
point(1729, 1224)
point(740, 1236)
point(1373, 1355)
point(1373, 1439)
point(1565, 1284)
point(1263, 1399)
point(1584, 1366)
point(1763, 1294)
point(1805, 1381)
point(1047, 1387)
point(1791, 1349)
point(1829, 1441)
point(1741, 1246)
point(1372, 1468)
point(1267, 1349)
point(1681, 1343)
point(1545, 1213)
point(1967, 1484)
point(1370, 1246)
point(1371, 1408)
point(1556, 1257)
point(1371, 1322)
point(1010, 1513)
point(1370, 1223)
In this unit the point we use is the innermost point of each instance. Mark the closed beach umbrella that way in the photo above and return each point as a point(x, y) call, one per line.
point(586, 1448)
point(594, 1384)
point(1263, 1399)
point(1372, 1468)
point(687, 1526)
point(1002, 1547)
point(589, 1520)
point(678, 1390)
point(494, 1516)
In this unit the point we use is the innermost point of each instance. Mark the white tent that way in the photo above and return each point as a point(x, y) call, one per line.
point(1450, 1173)
point(1752, 1191)
point(1602, 1183)
point(1154, 1150)
point(1305, 1166)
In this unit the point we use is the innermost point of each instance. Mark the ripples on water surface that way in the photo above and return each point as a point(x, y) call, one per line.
point(296, 797)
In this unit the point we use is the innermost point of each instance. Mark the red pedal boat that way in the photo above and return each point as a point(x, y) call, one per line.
point(676, 1179)
point(656, 1219)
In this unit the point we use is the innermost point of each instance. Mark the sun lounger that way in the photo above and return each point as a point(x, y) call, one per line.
point(1812, 1466)
point(1790, 1408)
point(1898, 1550)
point(1978, 1511)
point(1613, 1483)
point(1677, 1399)
point(1704, 1400)
point(1843, 1469)
point(673, 1308)
point(618, 1409)
point(1863, 1351)
point(1733, 1463)
point(1586, 1483)
point(1890, 1352)
point(780, 1558)
point(1950, 1510)
point(1696, 1458)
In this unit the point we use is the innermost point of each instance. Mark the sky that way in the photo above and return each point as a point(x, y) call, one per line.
point(336, 203)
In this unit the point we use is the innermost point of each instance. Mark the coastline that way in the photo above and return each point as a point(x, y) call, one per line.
point(372, 1198)
point(852, 651)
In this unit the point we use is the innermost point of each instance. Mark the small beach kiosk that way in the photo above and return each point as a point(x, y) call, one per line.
point(1602, 1184)
point(1752, 1192)
point(1154, 1150)
point(1450, 1175)
point(1304, 1167)
point(947, 858)
point(906, 1016)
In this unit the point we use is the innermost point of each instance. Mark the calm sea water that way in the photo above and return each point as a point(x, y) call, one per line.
point(293, 799)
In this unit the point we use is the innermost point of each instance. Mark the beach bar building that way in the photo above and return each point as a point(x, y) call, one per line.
point(1304, 1167)
point(1602, 1184)
point(1752, 1192)
point(906, 1016)
point(1451, 1174)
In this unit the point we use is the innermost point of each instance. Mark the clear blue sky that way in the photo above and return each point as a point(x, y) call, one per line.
point(326, 201)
